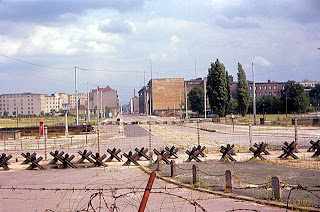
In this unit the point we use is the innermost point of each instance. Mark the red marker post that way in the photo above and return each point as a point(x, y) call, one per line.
point(41, 129)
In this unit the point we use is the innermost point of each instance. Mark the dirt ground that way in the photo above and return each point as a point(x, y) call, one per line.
point(257, 176)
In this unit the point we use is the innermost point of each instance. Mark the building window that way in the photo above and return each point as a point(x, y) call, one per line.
point(270, 87)
point(250, 88)
point(274, 87)
point(21, 100)
point(260, 88)
point(250, 94)
point(270, 93)
point(265, 87)
point(260, 94)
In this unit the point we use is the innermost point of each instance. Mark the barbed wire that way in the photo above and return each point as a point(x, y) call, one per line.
point(299, 187)
point(212, 175)
point(185, 169)
point(242, 209)
point(83, 189)
point(258, 184)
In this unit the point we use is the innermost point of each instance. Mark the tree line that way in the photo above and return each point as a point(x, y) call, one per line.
point(293, 97)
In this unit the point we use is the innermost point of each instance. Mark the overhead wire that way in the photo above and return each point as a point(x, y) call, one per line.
point(34, 64)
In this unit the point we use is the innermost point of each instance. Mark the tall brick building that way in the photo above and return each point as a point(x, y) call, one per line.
point(262, 88)
point(165, 95)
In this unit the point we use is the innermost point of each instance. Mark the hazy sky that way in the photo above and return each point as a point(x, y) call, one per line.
point(280, 37)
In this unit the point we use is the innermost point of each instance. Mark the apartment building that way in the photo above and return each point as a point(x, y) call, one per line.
point(134, 105)
point(105, 98)
point(144, 100)
point(21, 103)
point(82, 100)
point(54, 102)
point(309, 83)
point(261, 88)
point(193, 82)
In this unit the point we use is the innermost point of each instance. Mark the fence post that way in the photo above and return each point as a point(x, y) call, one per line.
point(198, 131)
point(228, 182)
point(150, 144)
point(173, 168)
point(296, 131)
point(276, 188)
point(147, 191)
point(159, 163)
point(250, 133)
point(71, 141)
point(195, 175)
point(45, 142)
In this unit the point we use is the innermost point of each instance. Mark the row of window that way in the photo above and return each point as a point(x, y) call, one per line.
point(16, 108)
point(21, 100)
point(265, 93)
point(266, 87)
point(15, 104)
point(14, 96)
point(29, 112)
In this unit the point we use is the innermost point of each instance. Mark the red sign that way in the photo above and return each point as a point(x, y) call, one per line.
point(41, 129)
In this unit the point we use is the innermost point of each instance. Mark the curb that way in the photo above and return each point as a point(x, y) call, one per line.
point(231, 195)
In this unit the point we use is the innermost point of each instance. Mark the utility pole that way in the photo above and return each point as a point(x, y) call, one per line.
point(186, 103)
point(88, 101)
point(195, 69)
point(97, 104)
point(17, 116)
point(101, 107)
point(76, 93)
point(254, 97)
point(205, 97)
point(150, 112)
point(286, 104)
point(180, 102)
point(66, 120)
point(150, 91)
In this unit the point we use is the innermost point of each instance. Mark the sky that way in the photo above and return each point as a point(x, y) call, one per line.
point(119, 42)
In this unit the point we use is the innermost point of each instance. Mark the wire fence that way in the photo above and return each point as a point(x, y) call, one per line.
point(213, 176)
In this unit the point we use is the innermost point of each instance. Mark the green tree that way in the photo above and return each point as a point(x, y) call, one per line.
point(233, 106)
point(228, 90)
point(297, 100)
point(314, 95)
point(217, 88)
point(268, 104)
point(242, 91)
point(196, 99)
